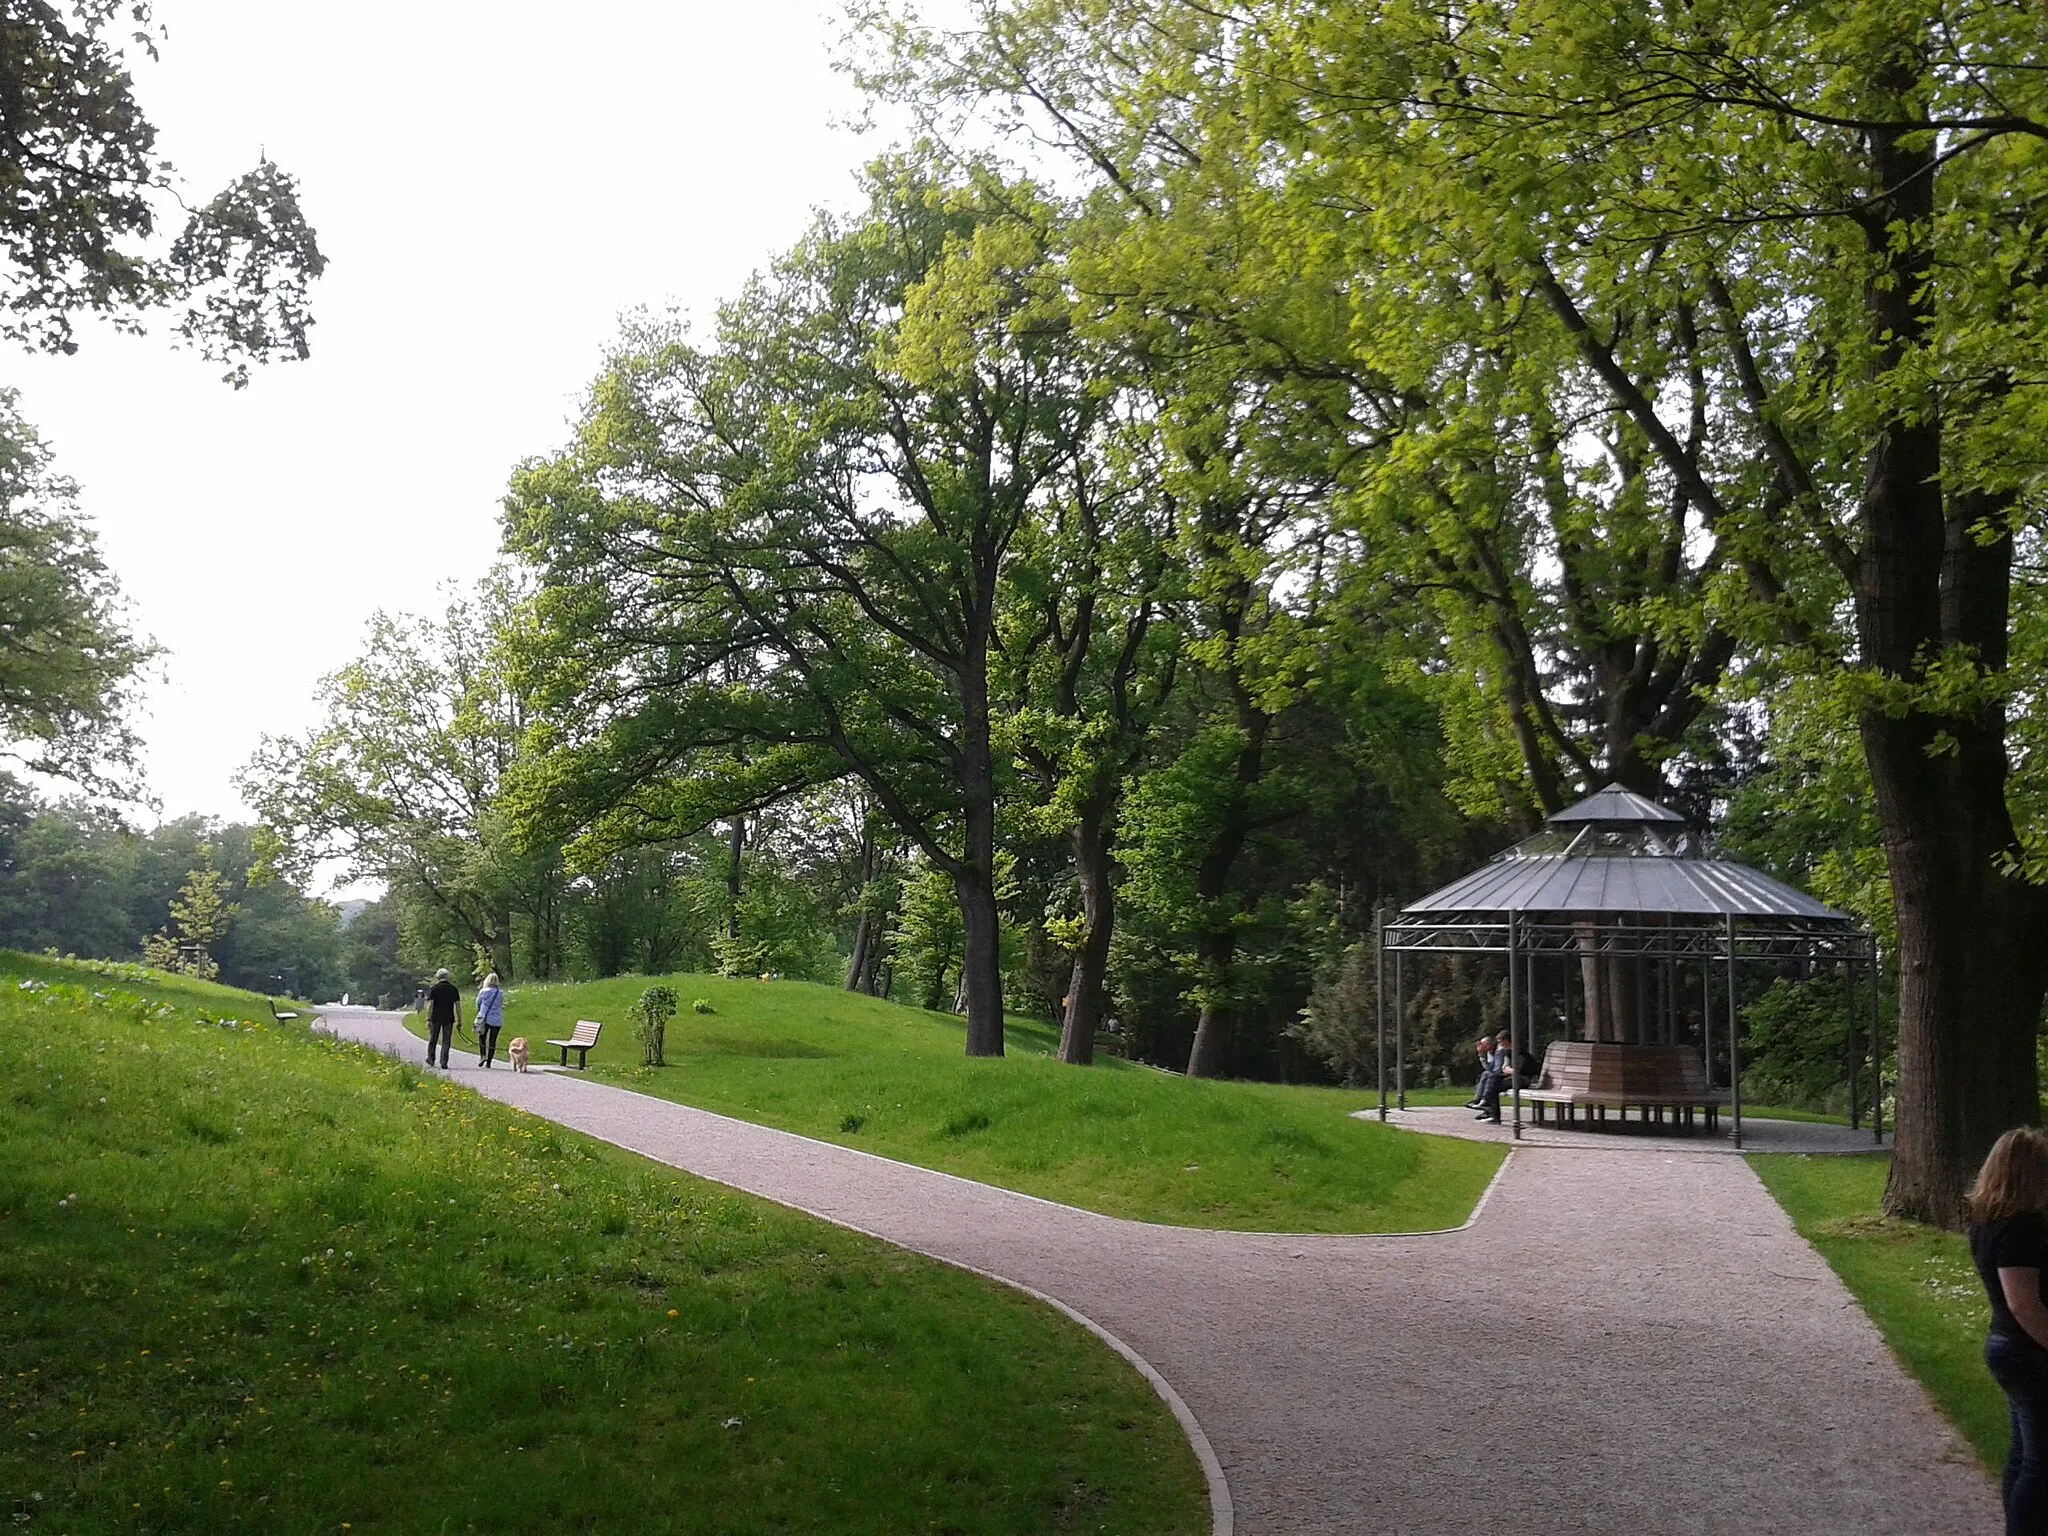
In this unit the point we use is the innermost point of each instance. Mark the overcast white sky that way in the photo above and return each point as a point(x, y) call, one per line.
point(492, 184)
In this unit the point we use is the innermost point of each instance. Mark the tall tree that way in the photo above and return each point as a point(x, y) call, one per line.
point(1846, 200)
point(400, 780)
point(1785, 261)
point(1090, 650)
point(778, 561)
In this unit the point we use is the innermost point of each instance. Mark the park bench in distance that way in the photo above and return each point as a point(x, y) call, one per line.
point(580, 1040)
point(1602, 1076)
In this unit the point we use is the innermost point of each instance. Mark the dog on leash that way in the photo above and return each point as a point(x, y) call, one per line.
point(516, 1053)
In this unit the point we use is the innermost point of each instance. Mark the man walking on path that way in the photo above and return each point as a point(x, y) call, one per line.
point(442, 1001)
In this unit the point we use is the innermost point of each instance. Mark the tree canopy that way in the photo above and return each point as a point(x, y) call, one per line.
point(85, 193)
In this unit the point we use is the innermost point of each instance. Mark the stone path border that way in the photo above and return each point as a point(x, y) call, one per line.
point(1619, 1340)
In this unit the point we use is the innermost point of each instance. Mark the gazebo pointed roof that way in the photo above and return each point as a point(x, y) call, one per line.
point(1618, 805)
point(1617, 854)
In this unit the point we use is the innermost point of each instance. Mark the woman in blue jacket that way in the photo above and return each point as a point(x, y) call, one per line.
point(490, 1018)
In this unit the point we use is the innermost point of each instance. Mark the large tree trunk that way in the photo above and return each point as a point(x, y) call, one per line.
point(1971, 960)
point(501, 946)
point(981, 961)
point(1092, 862)
point(1214, 951)
point(866, 935)
point(1972, 964)
point(856, 962)
point(1216, 944)
point(735, 848)
point(1614, 996)
point(974, 880)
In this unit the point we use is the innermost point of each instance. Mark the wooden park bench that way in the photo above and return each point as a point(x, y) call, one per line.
point(1601, 1076)
point(580, 1040)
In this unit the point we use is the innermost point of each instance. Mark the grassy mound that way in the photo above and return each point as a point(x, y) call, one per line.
point(1116, 1138)
point(254, 1280)
point(186, 995)
point(1916, 1283)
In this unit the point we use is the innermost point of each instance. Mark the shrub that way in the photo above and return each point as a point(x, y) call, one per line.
point(702, 1005)
point(651, 1013)
point(1801, 1043)
point(1450, 1004)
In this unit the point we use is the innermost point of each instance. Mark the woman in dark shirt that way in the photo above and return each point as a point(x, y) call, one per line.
point(2009, 1242)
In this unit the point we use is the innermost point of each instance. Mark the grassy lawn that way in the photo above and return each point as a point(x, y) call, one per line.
point(185, 994)
point(1915, 1282)
point(1121, 1139)
point(252, 1279)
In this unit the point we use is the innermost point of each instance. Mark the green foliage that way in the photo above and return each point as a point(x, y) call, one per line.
point(67, 659)
point(652, 1010)
point(76, 879)
point(1798, 1040)
point(1452, 1001)
point(1118, 1139)
point(89, 187)
point(832, 492)
point(927, 936)
point(257, 1279)
point(701, 1005)
point(399, 782)
point(200, 915)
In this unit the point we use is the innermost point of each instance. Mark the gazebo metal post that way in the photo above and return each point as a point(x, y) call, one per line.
point(1734, 1044)
point(1876, 1043)
point(1400, 1034)
point(1707, 1019)
point(1379, 997)
point(1529, 1003)
point(1852, 999)
point(1514, 1015)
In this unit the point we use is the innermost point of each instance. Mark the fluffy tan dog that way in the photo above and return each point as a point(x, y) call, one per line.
point(516, 1053)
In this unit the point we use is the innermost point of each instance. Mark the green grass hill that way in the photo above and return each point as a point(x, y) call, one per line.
point(252, 1279)
point(1118, 1138)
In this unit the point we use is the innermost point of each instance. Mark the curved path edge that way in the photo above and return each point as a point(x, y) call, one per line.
point(1222, 1513)
point(1660, 1349)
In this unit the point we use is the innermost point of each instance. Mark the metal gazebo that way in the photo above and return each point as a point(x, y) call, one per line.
point(1621, 888)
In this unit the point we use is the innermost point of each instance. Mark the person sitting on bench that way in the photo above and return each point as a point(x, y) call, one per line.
point(1485, 1068)
point(1500, 1071)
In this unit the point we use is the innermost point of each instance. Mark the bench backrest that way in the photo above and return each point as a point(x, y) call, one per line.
point(1656, 1071)
point(585, 1032)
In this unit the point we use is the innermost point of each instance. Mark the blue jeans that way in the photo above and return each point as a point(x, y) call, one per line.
point(2020, 1367)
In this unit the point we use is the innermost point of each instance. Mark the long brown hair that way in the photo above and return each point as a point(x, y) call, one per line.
point(2014, 1178)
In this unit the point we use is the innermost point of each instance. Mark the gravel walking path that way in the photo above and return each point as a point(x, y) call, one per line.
point(1620, 1341)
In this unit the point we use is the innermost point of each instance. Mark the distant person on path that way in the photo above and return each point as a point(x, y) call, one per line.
point(2008, 1208)
point(442, 1002)
point(490, 1018)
